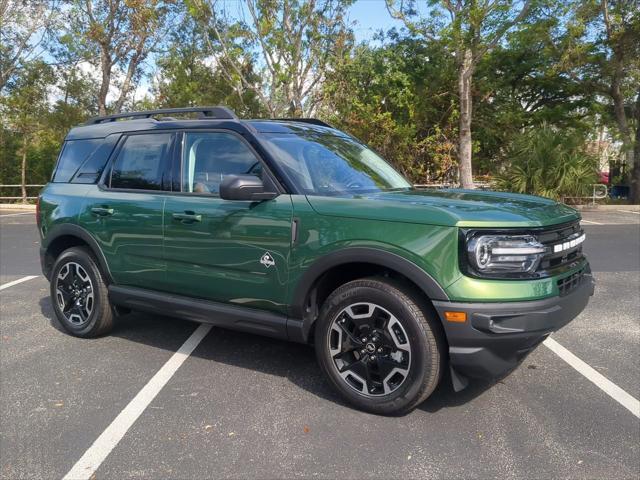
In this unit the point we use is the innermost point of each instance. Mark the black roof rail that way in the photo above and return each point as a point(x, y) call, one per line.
point(312, 121)
point(220, 113)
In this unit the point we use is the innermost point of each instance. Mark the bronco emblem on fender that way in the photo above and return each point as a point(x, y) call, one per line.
point(267, 260)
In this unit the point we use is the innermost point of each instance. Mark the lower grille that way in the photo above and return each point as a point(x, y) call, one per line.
point(570, 283)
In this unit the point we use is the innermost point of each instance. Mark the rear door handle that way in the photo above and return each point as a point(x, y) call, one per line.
point(187, 217)
point(102, 211)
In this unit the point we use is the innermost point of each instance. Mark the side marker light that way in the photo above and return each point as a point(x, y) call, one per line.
point(458, 317)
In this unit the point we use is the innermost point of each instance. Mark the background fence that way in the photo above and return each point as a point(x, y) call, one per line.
point(31, 188)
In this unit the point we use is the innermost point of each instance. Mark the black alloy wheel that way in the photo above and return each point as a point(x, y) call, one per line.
point(380, 345)
point(74, 293)
point(79, 294)
point(370, 349)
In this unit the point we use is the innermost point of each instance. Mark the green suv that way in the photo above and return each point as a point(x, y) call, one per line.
point(292, 229)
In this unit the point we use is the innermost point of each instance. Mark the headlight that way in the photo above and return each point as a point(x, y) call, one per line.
point(504, 254)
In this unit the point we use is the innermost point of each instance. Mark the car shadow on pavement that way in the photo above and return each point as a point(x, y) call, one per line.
point(293, 361)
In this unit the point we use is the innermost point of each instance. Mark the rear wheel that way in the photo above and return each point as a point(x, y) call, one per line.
point(79, 294)
point(377, 346)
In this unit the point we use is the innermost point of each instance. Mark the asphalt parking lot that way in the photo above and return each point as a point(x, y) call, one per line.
point(242, 406)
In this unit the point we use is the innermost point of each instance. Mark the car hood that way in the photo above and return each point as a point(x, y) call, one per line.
point(452, 207)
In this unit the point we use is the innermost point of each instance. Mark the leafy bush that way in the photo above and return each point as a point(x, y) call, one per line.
point(548, 162)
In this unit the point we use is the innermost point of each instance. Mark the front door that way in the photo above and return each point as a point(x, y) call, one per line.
point(224, 250)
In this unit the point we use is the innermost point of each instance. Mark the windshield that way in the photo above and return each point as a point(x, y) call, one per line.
point(322, 163)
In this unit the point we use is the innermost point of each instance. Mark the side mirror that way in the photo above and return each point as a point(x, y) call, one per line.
point(244, 187)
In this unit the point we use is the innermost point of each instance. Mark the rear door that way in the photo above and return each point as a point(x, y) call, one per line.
point(223, 250)
point(125, 212)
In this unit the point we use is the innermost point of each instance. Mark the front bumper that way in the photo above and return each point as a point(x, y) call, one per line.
point(496, 337)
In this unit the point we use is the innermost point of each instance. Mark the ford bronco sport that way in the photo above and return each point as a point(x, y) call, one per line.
point(295, 230)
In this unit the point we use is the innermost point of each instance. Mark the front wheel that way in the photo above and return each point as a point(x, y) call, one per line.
point(79, 294)
point(377, 346)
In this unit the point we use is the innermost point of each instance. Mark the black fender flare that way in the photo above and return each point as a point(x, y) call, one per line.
point(73, 230)
point(298, 326)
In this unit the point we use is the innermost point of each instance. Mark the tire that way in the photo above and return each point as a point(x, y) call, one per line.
point(377, 346)
point(79, 294)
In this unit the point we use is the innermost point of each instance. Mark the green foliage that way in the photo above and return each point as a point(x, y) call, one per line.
point(187, 76)
point(521, 85)
point(548, 162)
point(291, 42)
point(42, 104)
point(558, 69)
point(24, 111)
point(397, 98)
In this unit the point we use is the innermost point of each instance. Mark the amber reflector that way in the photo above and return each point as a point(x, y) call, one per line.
point(456, 316)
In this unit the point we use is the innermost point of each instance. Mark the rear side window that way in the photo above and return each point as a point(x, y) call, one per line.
point(74, 153)
point(142, 162)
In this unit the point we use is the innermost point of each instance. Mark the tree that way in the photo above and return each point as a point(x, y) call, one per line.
point(25, 109)
point(620, 69)
point(118, 36)
point(604, 55)
point(24, 26)
point(473, 28)
point(549, 162)
point(187, 76)
point(293, 42)
point(396, 97)
point(524, 83)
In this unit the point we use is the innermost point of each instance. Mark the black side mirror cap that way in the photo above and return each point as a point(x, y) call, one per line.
point(244, 187)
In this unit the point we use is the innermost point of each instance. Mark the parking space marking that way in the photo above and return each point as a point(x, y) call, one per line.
point(14, 214)
point(629, 211)
point(591, 222)
point(16, 282)
point(606, 385)
point(107, 441)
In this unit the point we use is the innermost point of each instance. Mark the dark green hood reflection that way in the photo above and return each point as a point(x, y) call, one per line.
point(462, 208)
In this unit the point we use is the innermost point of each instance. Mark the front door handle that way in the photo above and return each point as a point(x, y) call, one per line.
point(187, 217)
point(102, 211)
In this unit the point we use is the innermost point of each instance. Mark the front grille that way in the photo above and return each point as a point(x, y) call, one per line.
point(570, 283)
point(558, 235)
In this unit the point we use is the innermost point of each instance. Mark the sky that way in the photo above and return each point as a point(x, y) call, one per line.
point(370, 16)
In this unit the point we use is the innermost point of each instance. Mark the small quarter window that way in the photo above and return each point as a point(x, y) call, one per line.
point(91, 169)
point(74, 153)
point(211, 156)
point(142, 162)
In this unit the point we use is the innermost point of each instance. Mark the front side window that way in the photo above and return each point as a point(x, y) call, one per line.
point(209, 157)
point(142, 162)
point(324, 163)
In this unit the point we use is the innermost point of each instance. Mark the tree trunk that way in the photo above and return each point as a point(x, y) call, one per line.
point(629, 150)
point(24, 169)
point(131, 69)
point(105, 66)
point(465, 74)
point(625, 135)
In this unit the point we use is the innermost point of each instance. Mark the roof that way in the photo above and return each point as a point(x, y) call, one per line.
point(101, 130)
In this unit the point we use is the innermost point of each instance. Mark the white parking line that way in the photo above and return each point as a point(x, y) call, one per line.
point(14, 214)
point(591, 222)
point(16, 282)
point(606, 385)
point(107, 441)
point(629, 211)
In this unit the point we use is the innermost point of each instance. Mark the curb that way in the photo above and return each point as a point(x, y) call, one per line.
point(594, 208)
point(16, 206)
